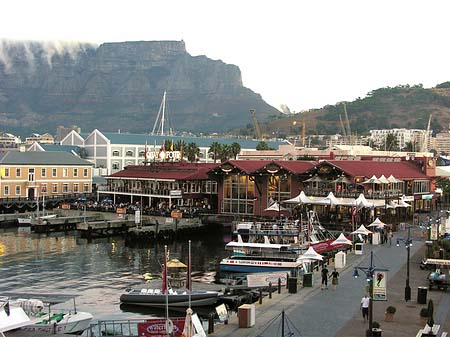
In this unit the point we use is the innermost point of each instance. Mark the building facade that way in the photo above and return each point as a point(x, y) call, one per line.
point(33, 174)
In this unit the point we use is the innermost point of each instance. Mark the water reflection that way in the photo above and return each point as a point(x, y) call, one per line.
point(99, 271)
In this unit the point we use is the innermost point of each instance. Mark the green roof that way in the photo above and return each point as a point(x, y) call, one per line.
point(56, 147)
point(130, 138)
point(42, 158)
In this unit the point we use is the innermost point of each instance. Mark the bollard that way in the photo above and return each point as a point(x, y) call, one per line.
point(260, 296)
point(211, 323)
point(279, 285)
point(270, 289)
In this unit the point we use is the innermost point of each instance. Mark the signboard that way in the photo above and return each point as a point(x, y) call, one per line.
point(176, 214)
point(379, 286)
point(157, 328)
point(222, 312)
point(263, 279)
point(175, 194)
point(434, 232)
point(427, 196)
point(137, 217)
point(121, 210)
point(163, 155)
point(198, 326)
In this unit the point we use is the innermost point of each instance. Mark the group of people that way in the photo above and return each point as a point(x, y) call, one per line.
point(334, 276)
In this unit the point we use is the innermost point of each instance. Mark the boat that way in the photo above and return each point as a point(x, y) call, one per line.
point(11, 318)
point(45, 318)
point(37, 218)
point(176, 297)
point(168, 297)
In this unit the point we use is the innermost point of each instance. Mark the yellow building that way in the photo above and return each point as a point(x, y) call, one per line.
point(33, 174)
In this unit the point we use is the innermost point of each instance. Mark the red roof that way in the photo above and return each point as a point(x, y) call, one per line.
point(252, 166)
point(368, 168)
point(172, 171)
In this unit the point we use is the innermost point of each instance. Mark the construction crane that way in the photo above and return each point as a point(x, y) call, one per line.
point(258, 133)
point(426, 137)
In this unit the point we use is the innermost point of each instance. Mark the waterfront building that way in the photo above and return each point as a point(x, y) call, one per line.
point(163, 184)
point(31, 174)
point(248, 187)
point(45, 138)
point(115, 151)
point(8, 140)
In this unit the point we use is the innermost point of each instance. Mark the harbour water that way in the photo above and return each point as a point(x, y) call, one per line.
point(98, 271)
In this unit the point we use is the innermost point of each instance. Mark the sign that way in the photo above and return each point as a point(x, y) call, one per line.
point(427, 196)
point(121, 210)
point(137, 217)
point(157, 327)
point(222, 312)
point(176, 214)
point(379, 286)
point(198, 326)
point(434, 232)
point(163, 155)
point(263, 279)
point(175, 194)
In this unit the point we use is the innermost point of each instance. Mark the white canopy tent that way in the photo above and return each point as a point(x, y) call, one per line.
point(299, 199)
point(309, 255)
point(275, 207)
point(362, 230)
point(377, 223)
point(341, 240)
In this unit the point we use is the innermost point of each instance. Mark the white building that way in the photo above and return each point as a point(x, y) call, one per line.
point(402, 137)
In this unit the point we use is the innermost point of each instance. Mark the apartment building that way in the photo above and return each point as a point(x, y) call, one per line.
point(33, 174)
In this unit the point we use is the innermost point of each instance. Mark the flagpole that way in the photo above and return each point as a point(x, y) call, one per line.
point(165, 282)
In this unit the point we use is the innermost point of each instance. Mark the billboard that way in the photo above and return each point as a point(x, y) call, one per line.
point(157, 327)
point(379, 286)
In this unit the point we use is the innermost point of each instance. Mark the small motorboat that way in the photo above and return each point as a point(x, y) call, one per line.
point(45, 318)
point(176, 298)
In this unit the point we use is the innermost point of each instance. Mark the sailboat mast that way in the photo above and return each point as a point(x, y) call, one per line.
point(163, 117)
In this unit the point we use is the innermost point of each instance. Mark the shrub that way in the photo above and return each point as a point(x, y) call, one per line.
point(375, 325)
point(391, 310)
point(424, 312)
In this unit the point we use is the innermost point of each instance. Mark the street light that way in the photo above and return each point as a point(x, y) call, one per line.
point(369, 272)
point(408, 244)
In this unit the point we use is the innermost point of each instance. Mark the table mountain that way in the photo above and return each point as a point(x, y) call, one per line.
point(119, 86)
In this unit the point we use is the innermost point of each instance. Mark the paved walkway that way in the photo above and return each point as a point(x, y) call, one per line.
point(329, 313)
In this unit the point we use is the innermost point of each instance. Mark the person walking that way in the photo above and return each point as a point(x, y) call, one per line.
point(390, 235)
point(334, 278)
point(324, 277)
point(365, 302)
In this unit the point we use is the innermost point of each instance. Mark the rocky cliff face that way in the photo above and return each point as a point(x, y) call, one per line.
point(119, 86)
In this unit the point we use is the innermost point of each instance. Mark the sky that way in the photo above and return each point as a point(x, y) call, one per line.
point(304, 54)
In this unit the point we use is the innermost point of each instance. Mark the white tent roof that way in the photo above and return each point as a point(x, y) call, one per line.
point(394, 180)
point(362, 230)
point(383, 180)
point(372, 180)
point(299, 199)
point(363, 202)
point(341, 240)
point(275, 207)
point(377, 223)
point(310, 254)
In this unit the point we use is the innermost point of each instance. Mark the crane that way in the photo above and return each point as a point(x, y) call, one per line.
point(426, 137)
point(258, 133)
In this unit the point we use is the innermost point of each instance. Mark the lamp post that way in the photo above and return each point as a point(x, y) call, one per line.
point(408, 243)
point(369, 271)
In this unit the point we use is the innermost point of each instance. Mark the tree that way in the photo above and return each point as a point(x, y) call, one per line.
point(262, 145)
point(235, 149)
point(215, 148)
point(192, 151)
point(225, 153)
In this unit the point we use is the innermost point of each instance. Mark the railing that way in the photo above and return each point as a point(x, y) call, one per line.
point(49, 198)
point(354, 194)
point(146, 191)
point(114, 328)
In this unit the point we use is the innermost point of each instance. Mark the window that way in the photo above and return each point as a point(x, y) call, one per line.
point(86, 188)
point(75, 172)
point(116, 153)
point(6, 190)
point(6, 172)
point(43, 172)
point(65, 188)
point(141, 153)
point(54, 188)
point(85, 172)
point(31, 174)
point(17, 189)
point(75, 188)
point(18, 173)
point(65, 172)
point(238, 195)
point(54, 172)
point(44, 188)
point(129, 153)
point(116, 165)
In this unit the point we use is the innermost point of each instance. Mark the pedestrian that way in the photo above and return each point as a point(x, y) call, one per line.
point(334, 278)
point(365, 301)
point(390, 237)
point(324, 277)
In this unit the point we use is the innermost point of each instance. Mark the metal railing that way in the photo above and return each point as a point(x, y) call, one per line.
point(114, 328)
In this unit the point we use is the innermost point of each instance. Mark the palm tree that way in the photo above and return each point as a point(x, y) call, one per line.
point(192, 151)
point(225, 153)
point(262, 145)
point(235, 149)
point(215, 149)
